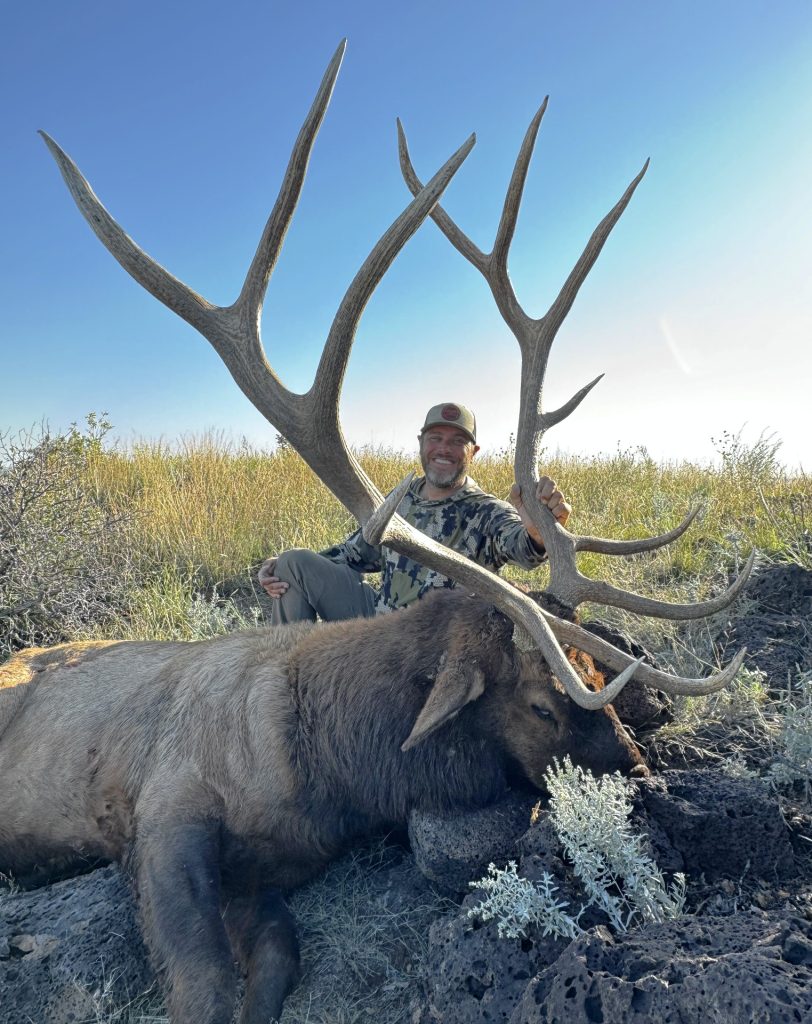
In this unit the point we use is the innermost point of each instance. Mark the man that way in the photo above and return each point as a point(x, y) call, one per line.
point(445, 504)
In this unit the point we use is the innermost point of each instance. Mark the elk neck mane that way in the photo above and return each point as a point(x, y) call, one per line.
point(349, 727)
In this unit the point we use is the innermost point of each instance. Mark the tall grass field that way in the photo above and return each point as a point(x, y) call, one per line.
point(163, 541)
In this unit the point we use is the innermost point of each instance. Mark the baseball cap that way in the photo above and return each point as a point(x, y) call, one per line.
point(450, 414)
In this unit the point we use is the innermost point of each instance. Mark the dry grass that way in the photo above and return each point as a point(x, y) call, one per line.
point(207, 512)
point(361, 946)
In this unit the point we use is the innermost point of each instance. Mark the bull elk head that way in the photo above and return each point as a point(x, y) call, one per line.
point(311, 424)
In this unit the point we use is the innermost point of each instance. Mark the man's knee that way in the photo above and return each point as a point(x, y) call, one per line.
point(319, 586)
point(295, 565)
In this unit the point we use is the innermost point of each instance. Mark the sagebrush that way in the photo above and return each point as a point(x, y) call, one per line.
point(591, 817)
point(65, 550)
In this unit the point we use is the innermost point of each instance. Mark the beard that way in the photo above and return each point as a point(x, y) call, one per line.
point(448, 476)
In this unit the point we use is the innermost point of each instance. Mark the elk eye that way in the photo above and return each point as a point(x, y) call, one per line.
point(542, 713)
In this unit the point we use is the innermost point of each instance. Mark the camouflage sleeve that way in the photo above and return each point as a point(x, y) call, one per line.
point(355, 553)
point(504, 538)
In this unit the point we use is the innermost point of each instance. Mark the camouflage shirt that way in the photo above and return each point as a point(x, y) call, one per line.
point(475, 524)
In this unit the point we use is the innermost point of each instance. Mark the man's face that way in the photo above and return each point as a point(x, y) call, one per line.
point(446, 454)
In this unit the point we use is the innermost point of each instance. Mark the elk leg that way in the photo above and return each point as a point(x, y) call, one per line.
point(177, 873)
point(263, 935)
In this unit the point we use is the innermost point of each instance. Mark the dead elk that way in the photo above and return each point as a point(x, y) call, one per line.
point(225, 772)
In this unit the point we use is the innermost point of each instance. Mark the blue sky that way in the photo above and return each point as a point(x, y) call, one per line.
point(182, 116)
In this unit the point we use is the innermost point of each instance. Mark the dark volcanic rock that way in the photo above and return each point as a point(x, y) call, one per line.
point(725, 970)
point(473, 976)
point(453, 851)
point(705, 822)
point(639, 707)
point(777, 629)
point(747, 968)
point(69, 949)
point(782, 590)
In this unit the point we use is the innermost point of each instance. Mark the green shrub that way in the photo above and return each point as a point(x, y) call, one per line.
point(65, 565)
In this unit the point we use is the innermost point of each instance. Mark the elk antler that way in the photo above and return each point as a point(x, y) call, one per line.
point(535, 338)
point(310, 421)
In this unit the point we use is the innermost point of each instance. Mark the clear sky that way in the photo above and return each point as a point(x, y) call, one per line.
point(182, 115)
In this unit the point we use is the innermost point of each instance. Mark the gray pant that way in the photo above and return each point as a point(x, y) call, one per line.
point(319, 587)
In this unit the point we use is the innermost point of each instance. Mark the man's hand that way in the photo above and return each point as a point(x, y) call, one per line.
point(272, 585)
point(547, 493)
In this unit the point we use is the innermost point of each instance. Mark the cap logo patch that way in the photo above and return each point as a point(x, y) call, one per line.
point(450, 412)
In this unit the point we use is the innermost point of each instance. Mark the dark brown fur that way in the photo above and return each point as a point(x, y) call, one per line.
point(224, 773)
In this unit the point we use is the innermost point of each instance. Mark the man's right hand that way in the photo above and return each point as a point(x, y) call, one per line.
point(271, 584)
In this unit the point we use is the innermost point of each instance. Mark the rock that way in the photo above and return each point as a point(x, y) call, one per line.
point(782, 590)
point(472, 976)
point(639, 707)
point(710, 970)
point(705, 822)
point(69, 949)
point(452, 851)
point(777, 628)
point(541, 845)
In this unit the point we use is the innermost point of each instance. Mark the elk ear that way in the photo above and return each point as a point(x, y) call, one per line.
point(456, 685)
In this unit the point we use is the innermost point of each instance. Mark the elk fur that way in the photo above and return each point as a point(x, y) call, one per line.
point(223, 773)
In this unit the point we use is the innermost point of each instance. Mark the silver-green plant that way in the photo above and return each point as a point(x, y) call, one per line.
point(735, 767)
point(591, 817)
point(793, 750)
point(517, 904)
point(207, 618)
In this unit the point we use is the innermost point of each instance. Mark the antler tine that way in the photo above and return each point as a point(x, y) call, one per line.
point(577, 636)
point(461, 242)
point(535, 345)
point(572, 588)
point(273, 235)
point(549, 419)
point(604, 593)
point(336, 352)
point(323, 446)
point(603, 546)
point(515, 190)
point(149, 274)
point(563, 303)
point(497, 275)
